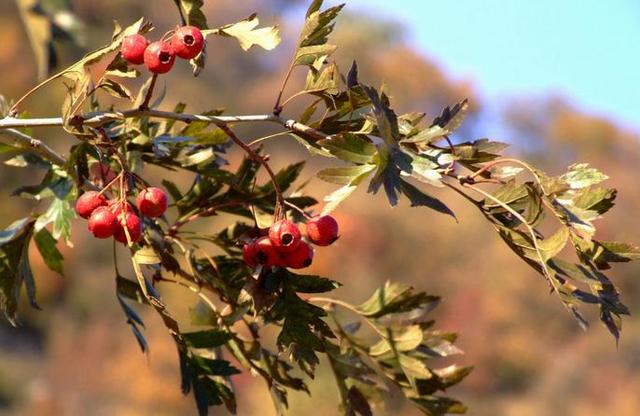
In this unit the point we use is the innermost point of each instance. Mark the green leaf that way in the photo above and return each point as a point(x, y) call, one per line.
point(215, 367)
point(452, 117)
point(207, 339)
point(581, 176)
point(246, 33)
point(402, 340)
point(393, 298)
point(336, 197)
point(47, 247)
point(419, 198)
point(309, 283)
point(344, 175)
point(115, 89)
point(60, 214)
point(191, 13)
point(318, 25)
point(14, 267)
point(309, 54)
point(350, 148)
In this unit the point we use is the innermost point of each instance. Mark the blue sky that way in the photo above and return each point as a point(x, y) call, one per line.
point(585, 50)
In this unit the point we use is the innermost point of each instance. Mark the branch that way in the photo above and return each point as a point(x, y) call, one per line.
point(97, 119)
point(24, 141)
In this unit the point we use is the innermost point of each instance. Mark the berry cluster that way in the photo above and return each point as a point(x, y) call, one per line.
point(186, 42)
point(109, 218)
point(284, 245)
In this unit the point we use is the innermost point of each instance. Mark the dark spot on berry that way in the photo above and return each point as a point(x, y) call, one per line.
point(189, 40)
point(262, 257)
point(165, 57)
point(286, 239)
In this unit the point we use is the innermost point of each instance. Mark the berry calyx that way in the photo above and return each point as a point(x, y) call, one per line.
point(88, 202)
point(159, 57)
point(323, 230)
point(299, 258)
point(133, 47)
point(187, 42)
point(102, 223)
point(285, 235)
point(133, 224)
point(152, 202)
point(266, 253)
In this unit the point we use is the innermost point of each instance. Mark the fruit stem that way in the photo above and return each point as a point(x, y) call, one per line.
point(278, 213)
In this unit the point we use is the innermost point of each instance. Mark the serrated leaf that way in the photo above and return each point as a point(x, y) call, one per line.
point(246, 33)
point(581, 176)
point(419, 198)
point(206, 339)
point(350, 148)
point(47, 247)
point(60, 214)
point(344, 175)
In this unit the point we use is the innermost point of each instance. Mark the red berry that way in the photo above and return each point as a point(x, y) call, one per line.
point(88, 202)
point(102, 223)
point(266, 253)
point(187, 42)
point(133, 47)
point(152, 202)
point(134, 226)
point(159, 57)
point(299, 258)
point(285, 235)
point(322, 231)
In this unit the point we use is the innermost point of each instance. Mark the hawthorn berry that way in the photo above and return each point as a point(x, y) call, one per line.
point(266, 253)
point(249, 254)
point(102, 222)
point(187, 42)
point(88, 202)
point(300, 257)
point(285, 235)
point(133, 48)
point(152, 202)
point(133, 224)
point(323, 230)
point(159, 57)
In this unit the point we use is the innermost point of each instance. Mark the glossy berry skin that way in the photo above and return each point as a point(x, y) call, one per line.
point(133, 47)
point(152, 202)
point(323, 230)
point(266, 253)
point(159, 57)
point(88, 202)
point(102, 222)
point(249, 254)
point(187, 42)
point(285, 235)
point(299, 258)
point(134, 226)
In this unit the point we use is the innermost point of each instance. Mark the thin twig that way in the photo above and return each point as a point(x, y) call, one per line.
point(25, 141)
point(279, 209)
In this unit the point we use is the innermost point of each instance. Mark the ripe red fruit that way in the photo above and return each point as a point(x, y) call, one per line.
point(88, 202)
point(133, 47)
point(323, 230)
point(249, 254)
point(102, 222)
point(134, 226)
point(299, 258)
point(266, 253)
point(152, 202)
point(187, 42)
point(285, 235)
point(159, 57)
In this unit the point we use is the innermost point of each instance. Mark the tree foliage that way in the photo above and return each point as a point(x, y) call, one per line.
point(390, 340)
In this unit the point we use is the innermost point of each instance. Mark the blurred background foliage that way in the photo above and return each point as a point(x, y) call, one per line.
point(77, 356)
